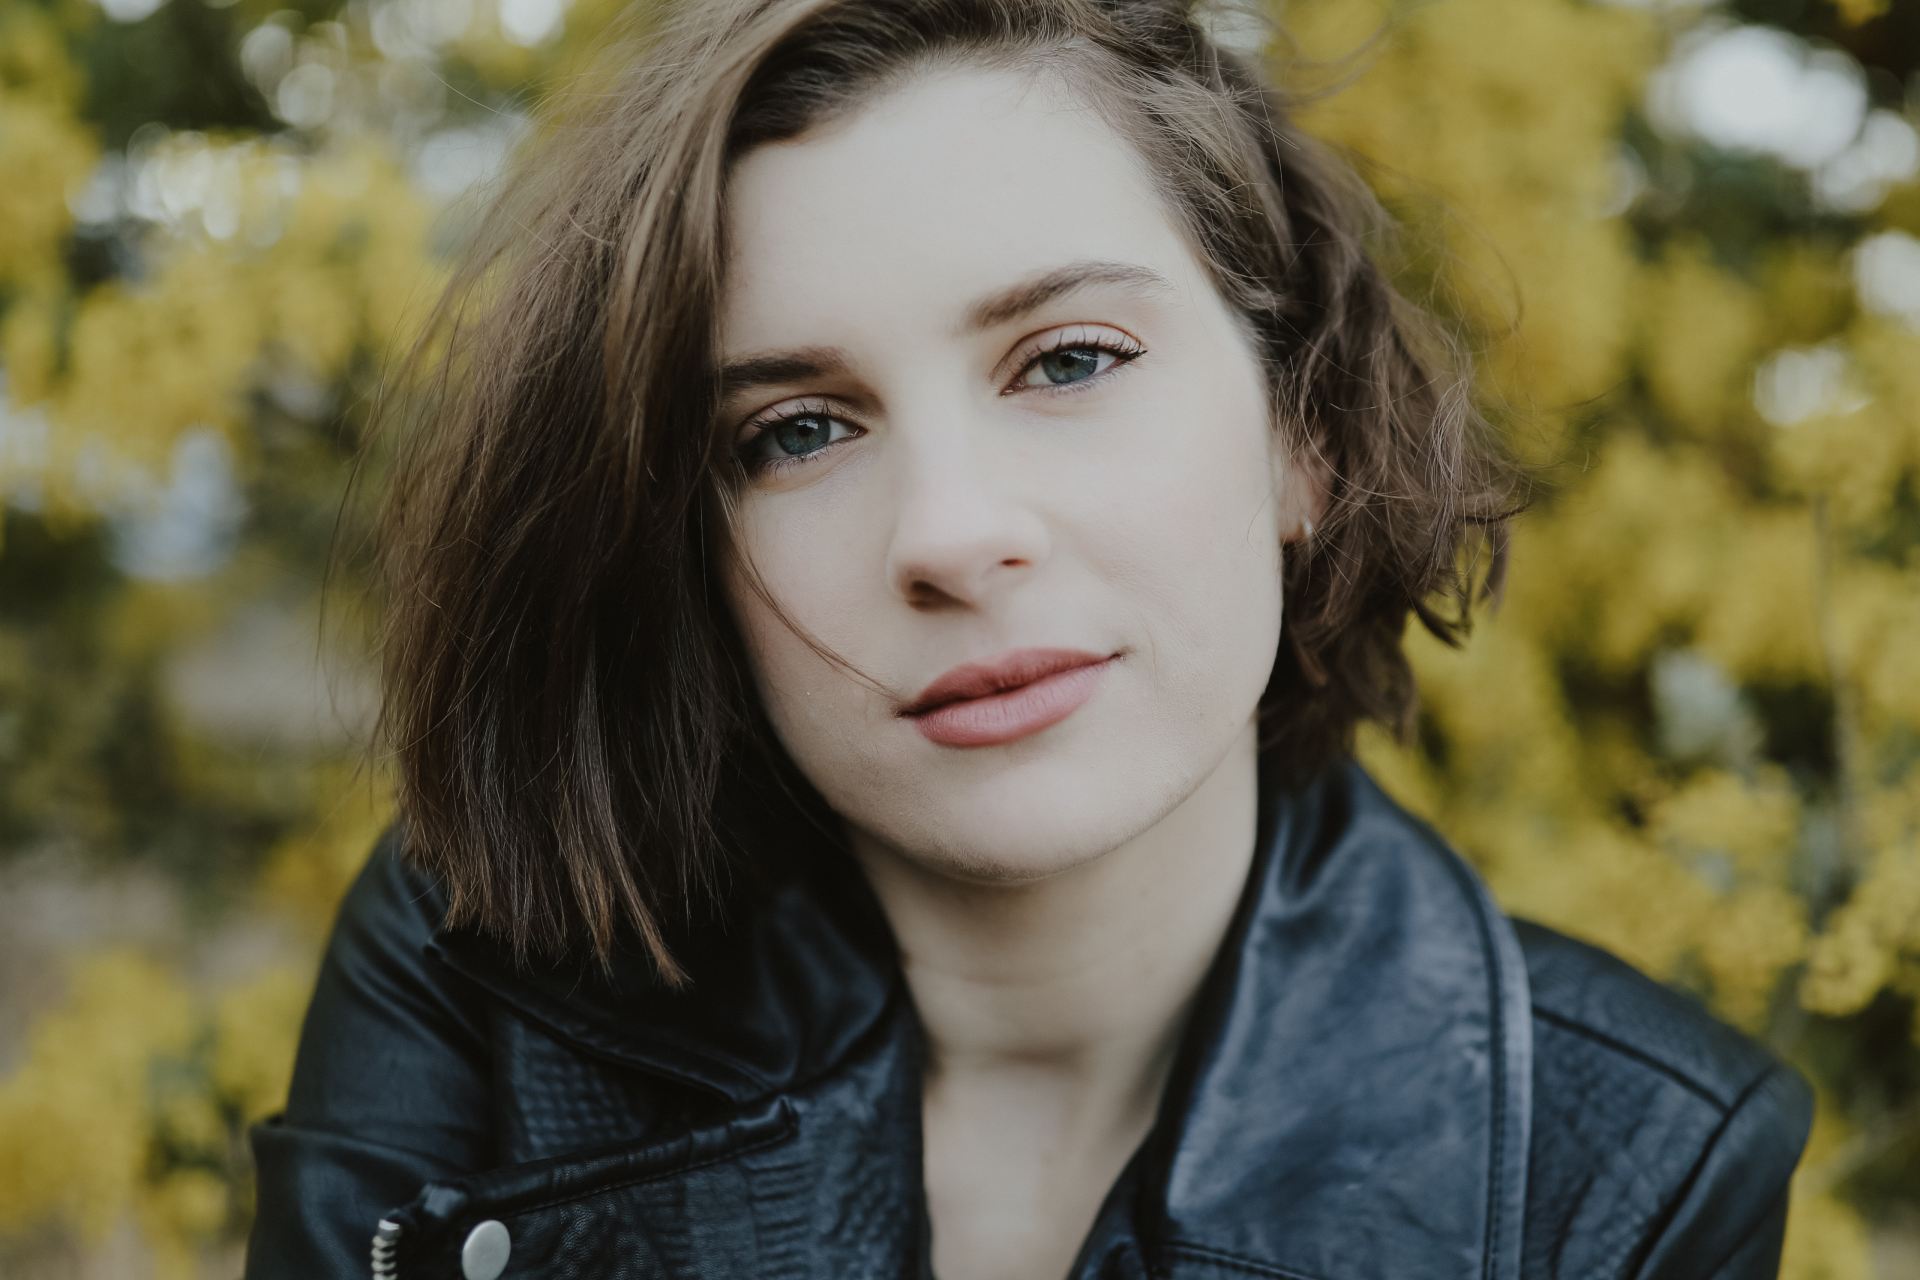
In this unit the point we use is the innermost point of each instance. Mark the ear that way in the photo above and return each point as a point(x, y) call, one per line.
point(1301, 481)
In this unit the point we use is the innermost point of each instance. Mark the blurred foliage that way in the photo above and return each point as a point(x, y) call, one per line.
point(1691, 733)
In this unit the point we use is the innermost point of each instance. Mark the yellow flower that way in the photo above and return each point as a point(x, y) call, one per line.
point(29, 342)
point(256, 1027)
point(1701, 332)
point(1876, 615)
point(1750, 940)
point(74, 1116)
point(1760, 618)
point(187, 1202)
point(189, 1119)
point(1600, 882)
point(1847, 966)
point(34, 62)
point(1753, 822)
point(46, 155)
point(1855, 12)
point(307, 874)
point(1826, 1240)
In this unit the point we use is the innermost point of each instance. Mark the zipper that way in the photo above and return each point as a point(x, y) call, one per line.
point(385, 1242)
point(559, 1179)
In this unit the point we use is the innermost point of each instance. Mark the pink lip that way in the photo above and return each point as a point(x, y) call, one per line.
point(1005, 671)
point(1053, 684)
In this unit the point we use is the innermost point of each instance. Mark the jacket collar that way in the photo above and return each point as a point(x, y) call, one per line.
point(1359, 1096)
point(1351, 1097)
point(801, 969)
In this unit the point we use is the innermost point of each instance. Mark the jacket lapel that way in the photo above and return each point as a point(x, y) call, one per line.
point(1355, 1100)
point(1351, 1097)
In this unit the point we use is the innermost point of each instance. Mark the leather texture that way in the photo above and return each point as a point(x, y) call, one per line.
point(1384, 1077)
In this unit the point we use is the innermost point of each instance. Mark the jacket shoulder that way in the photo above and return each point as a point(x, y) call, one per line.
point(1583, 989)
point(1663, 1139)
point(390, 1080)
point(392, 906)
point(379, 989)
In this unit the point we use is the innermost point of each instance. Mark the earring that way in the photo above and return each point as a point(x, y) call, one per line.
point(1306, 527)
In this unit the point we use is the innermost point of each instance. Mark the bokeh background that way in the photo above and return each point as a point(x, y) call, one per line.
point(1683, 237)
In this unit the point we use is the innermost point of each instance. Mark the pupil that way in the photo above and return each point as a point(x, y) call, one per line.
point(1073, 358)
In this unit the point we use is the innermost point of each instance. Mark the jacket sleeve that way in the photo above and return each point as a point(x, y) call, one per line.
point(389, 1084)
point(1730, 1219)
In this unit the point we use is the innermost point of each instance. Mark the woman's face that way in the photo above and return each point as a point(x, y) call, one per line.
point(944, 491)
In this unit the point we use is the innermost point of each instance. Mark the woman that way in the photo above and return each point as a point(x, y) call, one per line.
point(882, 594)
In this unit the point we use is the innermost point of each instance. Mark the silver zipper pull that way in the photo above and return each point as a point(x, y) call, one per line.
point(385, 1242)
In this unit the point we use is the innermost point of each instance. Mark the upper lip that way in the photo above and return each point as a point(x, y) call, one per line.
point(1004, 671)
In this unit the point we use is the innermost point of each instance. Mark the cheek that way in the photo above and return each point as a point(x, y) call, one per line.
point(813, 585)
point(1193, 530)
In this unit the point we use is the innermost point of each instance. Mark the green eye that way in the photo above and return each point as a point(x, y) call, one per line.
point(792, 440)
point(1069, 364)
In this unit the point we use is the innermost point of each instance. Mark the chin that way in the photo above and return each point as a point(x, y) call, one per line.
point(1022, 838)
point(1001, 866)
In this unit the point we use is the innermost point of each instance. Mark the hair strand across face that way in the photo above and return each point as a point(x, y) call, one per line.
point(581, 754)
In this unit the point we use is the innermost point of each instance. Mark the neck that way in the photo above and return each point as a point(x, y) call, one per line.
point(1077, 985)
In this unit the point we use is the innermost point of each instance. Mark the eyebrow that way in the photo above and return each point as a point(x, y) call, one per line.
point(1025, 295)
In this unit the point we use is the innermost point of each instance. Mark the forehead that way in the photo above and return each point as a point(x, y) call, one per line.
point(931, 192)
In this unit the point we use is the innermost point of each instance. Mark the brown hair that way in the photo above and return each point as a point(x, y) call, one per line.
point(565, 693)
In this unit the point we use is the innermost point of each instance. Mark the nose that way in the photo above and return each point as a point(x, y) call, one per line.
point(965, 526)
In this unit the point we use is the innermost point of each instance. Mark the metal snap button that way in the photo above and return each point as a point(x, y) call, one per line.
point(484, 1255)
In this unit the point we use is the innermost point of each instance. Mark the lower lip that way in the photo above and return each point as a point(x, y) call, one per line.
point(1003, 717)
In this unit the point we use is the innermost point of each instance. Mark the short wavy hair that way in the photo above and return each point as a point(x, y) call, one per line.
point(576, 738)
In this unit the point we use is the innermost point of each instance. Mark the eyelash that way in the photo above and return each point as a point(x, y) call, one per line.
point(754, 467)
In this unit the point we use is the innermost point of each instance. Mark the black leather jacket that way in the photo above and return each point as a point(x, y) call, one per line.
point(1385, 1078)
